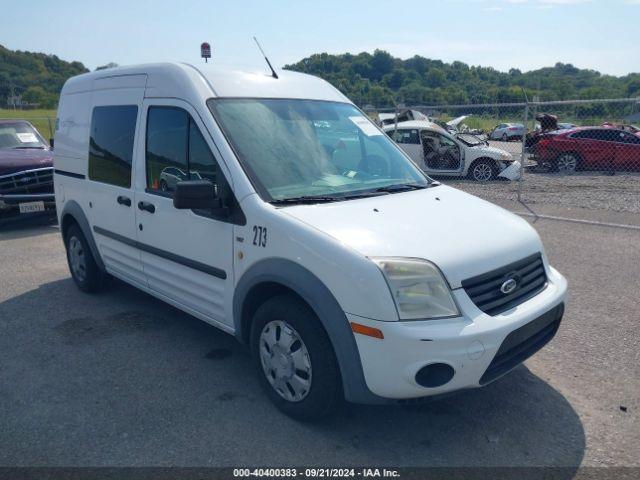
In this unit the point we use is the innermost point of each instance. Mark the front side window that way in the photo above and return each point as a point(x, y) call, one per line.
point(311, 148)
point(111, 138)
point(630, 139)
point(176, 150)
point(405, 136)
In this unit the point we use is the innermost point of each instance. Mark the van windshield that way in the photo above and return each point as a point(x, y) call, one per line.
point(313, 150)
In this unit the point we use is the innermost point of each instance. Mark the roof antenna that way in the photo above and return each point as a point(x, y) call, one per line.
point(273, 72)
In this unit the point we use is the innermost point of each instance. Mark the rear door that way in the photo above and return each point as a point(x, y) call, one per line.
point(595, 149)
point(110, 195)
point(187, 255)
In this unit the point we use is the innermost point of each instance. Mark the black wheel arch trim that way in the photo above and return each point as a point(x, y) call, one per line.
point(73, 210)
point(316, 294)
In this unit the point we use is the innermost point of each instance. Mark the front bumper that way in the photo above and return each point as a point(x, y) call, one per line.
point(35, 185)
point(14, 200)
point(511, 171)
point(469, 344)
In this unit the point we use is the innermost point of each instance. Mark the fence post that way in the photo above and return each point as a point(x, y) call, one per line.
point(522, 154)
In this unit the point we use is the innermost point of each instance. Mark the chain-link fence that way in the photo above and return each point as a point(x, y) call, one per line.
point(582, 153)
point(577, 153)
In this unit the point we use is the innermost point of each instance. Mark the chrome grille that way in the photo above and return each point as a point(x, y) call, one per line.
point(39, 180)
point(485, 290)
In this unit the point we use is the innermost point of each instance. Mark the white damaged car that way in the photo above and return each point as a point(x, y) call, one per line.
point(440, 153)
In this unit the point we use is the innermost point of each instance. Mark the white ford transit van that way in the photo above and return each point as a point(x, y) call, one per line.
point(274, 209)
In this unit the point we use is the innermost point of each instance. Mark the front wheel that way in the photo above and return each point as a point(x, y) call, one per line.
point(505, 138)
point(295, 359)
point(483, 171)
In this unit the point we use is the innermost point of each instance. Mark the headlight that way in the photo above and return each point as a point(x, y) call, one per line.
point(506, 156)
point(418, 288)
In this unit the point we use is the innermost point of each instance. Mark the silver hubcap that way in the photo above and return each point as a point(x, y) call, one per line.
point(482, 172)
point(567, 164)
point(77, 259)
point(285, 360)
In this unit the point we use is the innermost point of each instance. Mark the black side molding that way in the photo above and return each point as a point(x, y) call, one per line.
point(64, 173)
point(187, 262)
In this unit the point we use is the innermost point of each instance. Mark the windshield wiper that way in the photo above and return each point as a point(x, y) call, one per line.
point(305, 199)
point(28, 148)
point(402, 187)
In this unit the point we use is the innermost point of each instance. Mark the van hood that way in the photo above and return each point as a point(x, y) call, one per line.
point(462, 234)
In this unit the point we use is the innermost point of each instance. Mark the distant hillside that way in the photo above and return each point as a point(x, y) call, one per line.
point(380, 79)
point(35, 77)
point(377, 79)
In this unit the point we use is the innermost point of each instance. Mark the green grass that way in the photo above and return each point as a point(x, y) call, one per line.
point(43, 120)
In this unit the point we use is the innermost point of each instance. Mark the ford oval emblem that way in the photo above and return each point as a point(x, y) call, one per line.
point(508, 286)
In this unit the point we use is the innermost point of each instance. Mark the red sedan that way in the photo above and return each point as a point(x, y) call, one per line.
point(588, 148)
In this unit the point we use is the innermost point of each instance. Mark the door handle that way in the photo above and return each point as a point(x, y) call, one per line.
point(147, 207)
point(122, 200)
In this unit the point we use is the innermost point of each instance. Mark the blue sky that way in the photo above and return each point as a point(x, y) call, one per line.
point(525, 34)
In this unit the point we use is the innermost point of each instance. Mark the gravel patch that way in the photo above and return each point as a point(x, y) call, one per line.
point(590, 190)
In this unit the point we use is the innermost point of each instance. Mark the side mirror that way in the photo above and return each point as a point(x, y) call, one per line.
point(198, 195)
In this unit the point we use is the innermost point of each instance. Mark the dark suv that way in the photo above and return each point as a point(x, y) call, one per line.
point(26, 169)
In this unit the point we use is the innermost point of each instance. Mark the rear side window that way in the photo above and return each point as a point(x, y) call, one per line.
point(111, 144)
point(603, 134)
point(176, 150)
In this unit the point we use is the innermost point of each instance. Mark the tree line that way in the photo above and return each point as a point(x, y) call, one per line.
point(381, 80)
point(35, 77)
point(377, 79)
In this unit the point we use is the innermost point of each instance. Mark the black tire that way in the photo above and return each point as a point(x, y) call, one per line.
point(163, 186)
point(89, 279)
point(566, 163)
point(486, 165)
point(325, 394)
point(505, 138)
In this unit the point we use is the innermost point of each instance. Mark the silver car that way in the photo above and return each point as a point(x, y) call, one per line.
point(507, 131)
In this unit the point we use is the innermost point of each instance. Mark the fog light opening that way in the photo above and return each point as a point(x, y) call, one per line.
point(434, 375)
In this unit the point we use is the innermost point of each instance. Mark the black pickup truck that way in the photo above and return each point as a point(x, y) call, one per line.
point(26, 170)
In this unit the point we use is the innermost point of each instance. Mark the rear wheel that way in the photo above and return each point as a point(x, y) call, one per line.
point(566, 163)
point(84, 270)
point(505, 138)
point(483, 171)
point(295, 359)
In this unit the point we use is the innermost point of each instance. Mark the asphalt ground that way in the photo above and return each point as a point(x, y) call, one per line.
point(121, 379)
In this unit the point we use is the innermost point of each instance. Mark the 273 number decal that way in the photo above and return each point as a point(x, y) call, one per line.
point(260, 236)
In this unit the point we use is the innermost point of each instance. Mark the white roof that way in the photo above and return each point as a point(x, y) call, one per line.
point(208, 80)
point(419, 124)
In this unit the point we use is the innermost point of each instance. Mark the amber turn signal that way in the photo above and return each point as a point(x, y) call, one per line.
point(368, 331)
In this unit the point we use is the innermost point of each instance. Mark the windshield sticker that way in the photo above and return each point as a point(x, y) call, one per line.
point(368, 128)
point(27, 137)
